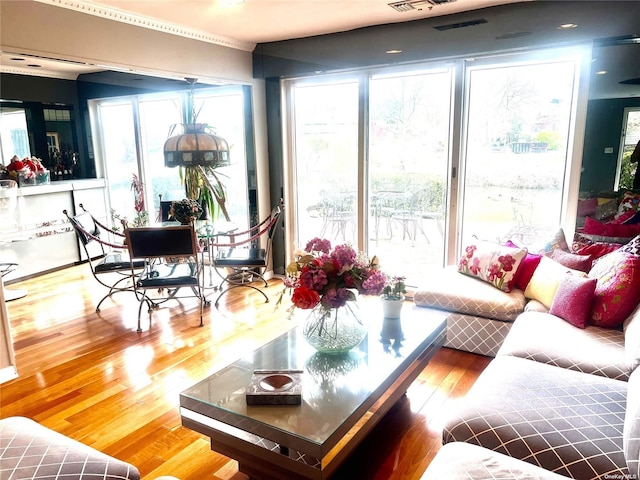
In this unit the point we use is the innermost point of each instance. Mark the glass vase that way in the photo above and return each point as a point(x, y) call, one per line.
point(334, 330)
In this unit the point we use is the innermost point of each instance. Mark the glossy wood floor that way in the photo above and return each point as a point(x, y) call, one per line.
point(91, 377)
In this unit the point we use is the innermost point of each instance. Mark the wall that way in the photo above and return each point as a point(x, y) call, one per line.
point(603, 130)
point(49, 31)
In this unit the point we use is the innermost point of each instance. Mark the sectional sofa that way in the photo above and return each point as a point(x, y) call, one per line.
point(561, 398)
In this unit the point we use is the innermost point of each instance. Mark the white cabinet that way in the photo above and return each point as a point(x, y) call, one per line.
point(42, 238)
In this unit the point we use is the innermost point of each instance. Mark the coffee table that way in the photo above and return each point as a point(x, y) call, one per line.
point(343, 397)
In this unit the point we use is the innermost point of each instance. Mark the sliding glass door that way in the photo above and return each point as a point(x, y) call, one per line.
point(518, 124)
point(410, 163)
point(409, 130)
point(326, 161)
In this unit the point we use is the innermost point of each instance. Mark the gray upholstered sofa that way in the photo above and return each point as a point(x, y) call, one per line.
point(29, 450)
point(556, 400)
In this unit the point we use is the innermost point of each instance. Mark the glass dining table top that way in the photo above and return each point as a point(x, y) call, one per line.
point(336, 389)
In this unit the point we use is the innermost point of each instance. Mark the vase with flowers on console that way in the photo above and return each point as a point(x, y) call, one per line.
point(185, 211)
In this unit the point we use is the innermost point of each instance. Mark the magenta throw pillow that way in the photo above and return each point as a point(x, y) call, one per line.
point(573, 300)
point(572, 260)
point(526, 269)
point(618, 288)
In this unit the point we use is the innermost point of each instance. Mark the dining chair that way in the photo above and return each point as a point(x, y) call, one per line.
point(242, 259)
point(106, 253)
point(170, 255)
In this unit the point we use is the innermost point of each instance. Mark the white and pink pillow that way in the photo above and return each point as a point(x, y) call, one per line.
point(493, 263)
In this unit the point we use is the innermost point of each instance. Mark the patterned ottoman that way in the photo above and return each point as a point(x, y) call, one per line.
point(30, 451)
point(481, 315)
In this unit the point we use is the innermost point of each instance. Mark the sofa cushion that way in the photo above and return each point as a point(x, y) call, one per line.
point(493, 263)
point(30, 450)
point(546, 338)
point(564, 421)
point(461, 460)
point(631, 432)
point(618, 289)
point(451, 291)
point(573, 299)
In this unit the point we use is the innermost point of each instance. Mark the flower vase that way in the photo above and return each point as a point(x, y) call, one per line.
point(334, 330)
point(392, 308)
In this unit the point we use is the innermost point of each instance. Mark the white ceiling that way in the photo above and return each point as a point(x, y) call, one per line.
point(261, 21)
point(242, 25)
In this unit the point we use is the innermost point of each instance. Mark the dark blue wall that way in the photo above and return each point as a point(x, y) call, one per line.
point(603, 129)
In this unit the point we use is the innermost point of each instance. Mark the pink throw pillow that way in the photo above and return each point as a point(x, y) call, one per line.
point(618, 288)
point(572, 260)
point(587, 206)
point(526, 269)
point(573, 299)
point(493, 263)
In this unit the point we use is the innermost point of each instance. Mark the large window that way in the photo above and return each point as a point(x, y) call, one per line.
point(409, 164)
point(132, 132)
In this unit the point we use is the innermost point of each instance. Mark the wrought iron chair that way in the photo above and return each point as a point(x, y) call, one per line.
point(170, 257)
point(106, 253)
point(243, 260)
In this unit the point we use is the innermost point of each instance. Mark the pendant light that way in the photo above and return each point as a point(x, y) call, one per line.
point(195, 144)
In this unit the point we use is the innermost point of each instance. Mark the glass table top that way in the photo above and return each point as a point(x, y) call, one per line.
point(334, 388)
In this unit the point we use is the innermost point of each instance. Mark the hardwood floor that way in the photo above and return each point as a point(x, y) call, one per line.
point(91, 377)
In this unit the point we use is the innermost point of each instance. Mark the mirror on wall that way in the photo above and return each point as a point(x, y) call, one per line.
point(43, 130)
point(14, 135)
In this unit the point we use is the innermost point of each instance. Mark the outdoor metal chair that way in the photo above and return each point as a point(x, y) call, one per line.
point(106, 253)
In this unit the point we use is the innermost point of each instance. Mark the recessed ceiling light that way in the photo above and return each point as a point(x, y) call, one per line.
point(565, 26)
point(601, 72)
point(391, 52)
point(33, 65)
point(18, 59)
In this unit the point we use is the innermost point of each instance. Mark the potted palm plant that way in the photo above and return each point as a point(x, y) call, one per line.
point(198, 152)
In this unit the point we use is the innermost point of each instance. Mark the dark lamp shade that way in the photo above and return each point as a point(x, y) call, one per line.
point(196, 146)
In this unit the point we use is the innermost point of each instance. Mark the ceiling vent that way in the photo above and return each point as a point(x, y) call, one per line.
point(407, 5)
point(470, 23)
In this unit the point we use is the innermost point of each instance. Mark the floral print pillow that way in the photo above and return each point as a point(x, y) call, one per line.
point(618, 289)
point(492, 263)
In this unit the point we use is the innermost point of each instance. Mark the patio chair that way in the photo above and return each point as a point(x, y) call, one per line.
point(170, 256)
point(243, 260)
point(106, 253)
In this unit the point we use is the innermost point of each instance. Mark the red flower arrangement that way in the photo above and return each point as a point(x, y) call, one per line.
point(330, 277)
